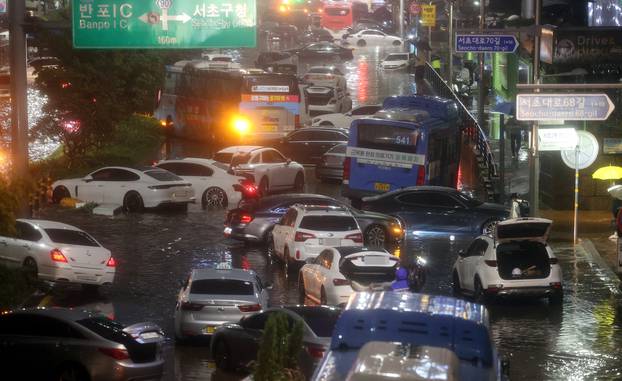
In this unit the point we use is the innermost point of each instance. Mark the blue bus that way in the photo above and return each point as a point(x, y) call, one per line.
point(413, 140)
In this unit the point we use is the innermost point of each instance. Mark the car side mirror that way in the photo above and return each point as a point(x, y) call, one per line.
point(462, 253)
point(288, 161)
point(87, 179)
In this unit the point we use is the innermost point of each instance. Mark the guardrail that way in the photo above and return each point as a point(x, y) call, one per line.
point(470, 129)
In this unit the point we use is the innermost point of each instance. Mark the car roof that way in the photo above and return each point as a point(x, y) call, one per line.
point(196, 160)
point(347, 250)
point(322, 209)
point(320, 128)
point(240, 149)
point(236, 274)
point(419, 188)
point(70, 314)
point(269, 201)
point(46, 224)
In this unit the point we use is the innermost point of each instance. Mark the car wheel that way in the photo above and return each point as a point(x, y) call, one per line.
point(72, 373)
point(264, 187)
point(557, 298)
point(30, 269)
point(133, 203)
point(488, 228)
point(323, 299)
point(455, 284)
point(361, 43)
point(327, 124)
point(478, 291)
point(397, 43)
point(222, 356)
point(299, 182)
point(302, 295)
point(214, 197)
point(375, 236)
point(60, 193)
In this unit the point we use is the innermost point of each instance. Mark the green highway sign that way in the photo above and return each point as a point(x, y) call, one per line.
point(164, 24)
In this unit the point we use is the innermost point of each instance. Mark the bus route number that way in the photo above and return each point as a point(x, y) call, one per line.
point(403, 140)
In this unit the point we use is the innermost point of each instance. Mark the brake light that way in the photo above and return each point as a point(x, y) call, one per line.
point(356, 237)
point(315, 351)
point(187, 306)
point(58, 256)
point(555, 284)
point(246, 218)
point(301, 236)
point(341, 282)
point(553, 261)
point(297, 254)
point(491, 263)
point(346, 170)
point(421, 175)
point(250, 307)
point(115, 353)
point(111, 262)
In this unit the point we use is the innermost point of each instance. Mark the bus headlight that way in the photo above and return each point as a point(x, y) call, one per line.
point(241, 125)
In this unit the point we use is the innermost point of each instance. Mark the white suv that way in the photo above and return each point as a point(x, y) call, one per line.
point(516, 261)
point(304, 231)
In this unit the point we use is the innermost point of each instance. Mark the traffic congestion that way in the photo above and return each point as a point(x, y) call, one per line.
point(316, 179)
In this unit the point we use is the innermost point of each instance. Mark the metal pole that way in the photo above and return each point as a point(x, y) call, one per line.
point(502, 156)
point(480, 84)
point(576, 194)
point(450, 62)
point(401, 19)
point(534, 162)
point(19, 105)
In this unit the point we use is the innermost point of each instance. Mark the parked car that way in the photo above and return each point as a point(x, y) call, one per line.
point(307, 145)
point(69, 344)
point(253, 221)
point(235, 345)
point(327, 99)
point(39, 63)
point(209, 178)
point(343, 120)
point(414, 319)
point(396, 61)
point(267, 60)
point(436, 212)
point(58, 252)
point(325, 76)
point(212, 297)
point(372, 37)
point(135, 189)
point(330, 166)
point(338, 272)
point(322, 50)
point(270, 170)
point(304, 231)
point(517, 261)
point(316, 35)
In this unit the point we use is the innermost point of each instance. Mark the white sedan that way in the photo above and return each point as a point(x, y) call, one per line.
point(135, 189)
point(338, 272)
point(325, 76)
point(396, 61)
point(57, 252)
point(209, 179)
point(372, 37)
point(344, 120)
point(516, 262)
point(270, 170)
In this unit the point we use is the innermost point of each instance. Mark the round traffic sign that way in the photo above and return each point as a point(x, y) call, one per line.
point(415, 8)
point(164, 4)
point(587, 147)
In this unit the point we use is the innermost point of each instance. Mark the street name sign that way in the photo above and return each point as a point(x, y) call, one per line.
point(163, 24)
point(563, 106)
point(428, 15)
point(478, 43)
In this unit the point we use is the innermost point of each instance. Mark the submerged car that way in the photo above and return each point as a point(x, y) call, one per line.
point(307, 145)
point(395, 61)
point(516, 261)
point(330, 166)
point(324, 49)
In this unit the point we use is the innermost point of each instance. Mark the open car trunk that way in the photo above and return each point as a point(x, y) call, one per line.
point(369, 270)
point(523, 260)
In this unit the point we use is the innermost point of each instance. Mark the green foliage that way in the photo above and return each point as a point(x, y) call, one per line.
point(278, 354)
point(14, 287)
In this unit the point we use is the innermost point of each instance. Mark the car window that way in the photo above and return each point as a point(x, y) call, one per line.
point(27, 232)
point(102, 174)
point(413, 198)
point(327, 136)
point(36, 325)
point(162, 175)
point(257, 321)
point(221, 287)
point(106, 328)
point(338, 149)
point(301, 136)
point(71, 237)
point(321, 320)
point(272, 157)
point(328, 223)
point(314, 47)
point(477, 248)
point(117, 174)
point(366, 110)
point(187, 169)
point(442, 200)
point(223, 157)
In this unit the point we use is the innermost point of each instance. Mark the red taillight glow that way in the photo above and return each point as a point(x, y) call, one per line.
point(115, 353)
point(301, 236)
point(341, 282)
point(111, 262)
point(187, 306)
point(555, 284)
point(553, 261)
point(246, 218)
point(421, 175)
point(357, 237)
point(315, 351)
point(58, 256)
point(250, 307)
point(346, 168)
point(491, 263)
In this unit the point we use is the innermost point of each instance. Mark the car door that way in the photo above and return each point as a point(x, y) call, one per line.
point(451, 215)
point(472, 261)
point(280, 174)
point(324, 276)
point(278, 233)
point(117, 185)
point(91, 187)
point(196, 174)
point(263, 293)
point(26, 245)
point(312, 276)
point(415, 210)
point(245, 343)
point(297, 146)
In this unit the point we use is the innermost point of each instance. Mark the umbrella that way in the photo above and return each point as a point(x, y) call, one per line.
point(609, 172)
point(508, 108)
point(615, 191)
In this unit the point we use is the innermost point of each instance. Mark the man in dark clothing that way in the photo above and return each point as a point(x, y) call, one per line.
point(515, 136)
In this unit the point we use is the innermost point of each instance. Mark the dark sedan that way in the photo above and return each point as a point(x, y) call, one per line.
point(253, 221)
point(234, 346)
point(324, 49)
point(438, 212)
point(316, 35)
point(330, 166)
point(307, 145)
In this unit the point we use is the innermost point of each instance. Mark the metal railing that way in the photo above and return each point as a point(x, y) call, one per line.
point(470, 128)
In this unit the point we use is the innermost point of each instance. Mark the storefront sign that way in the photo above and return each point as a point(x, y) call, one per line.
point(556, 139)
point(612, 145)
point(603, 45)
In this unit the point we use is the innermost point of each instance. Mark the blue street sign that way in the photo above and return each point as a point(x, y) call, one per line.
point(563, 106)
point(485, 43)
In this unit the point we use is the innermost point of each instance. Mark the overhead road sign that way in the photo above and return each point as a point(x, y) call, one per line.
point(485, 43)
point(164, 24)
point(563, 106)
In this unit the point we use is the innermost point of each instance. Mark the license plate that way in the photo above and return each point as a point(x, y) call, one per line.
point(383, 187)
point(87, 277)
point(330, 241)
point(209, 329)
point(149, 335)
point(180, 194)
point(374, 260)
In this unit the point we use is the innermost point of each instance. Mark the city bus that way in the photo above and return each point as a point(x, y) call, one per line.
point(336, 16)
point(413, 140)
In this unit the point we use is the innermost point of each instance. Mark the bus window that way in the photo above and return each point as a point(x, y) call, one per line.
point(400, 139)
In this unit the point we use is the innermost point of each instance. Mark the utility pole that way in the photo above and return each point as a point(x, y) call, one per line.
point(534, 157)
point(401, 19)
point(450, 61)
point(19, 104)
point(480, 84)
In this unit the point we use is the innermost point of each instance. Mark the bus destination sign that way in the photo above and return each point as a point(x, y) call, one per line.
point(163, 24)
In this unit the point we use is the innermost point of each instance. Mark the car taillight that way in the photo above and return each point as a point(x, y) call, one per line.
point(553, 261)
point(187, 306)
point(341, 282)
point(555, 284)
point(58, 256)
point(491, 263)
point(301, 236)
point(346, 169)
point(111, 262)
point(250, 307)
point(421, 175)
point(115, 353)
point(246, 218)
point(356, 237)
point(315, 352)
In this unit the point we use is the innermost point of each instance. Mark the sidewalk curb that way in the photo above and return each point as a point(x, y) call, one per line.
point(589, 247)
